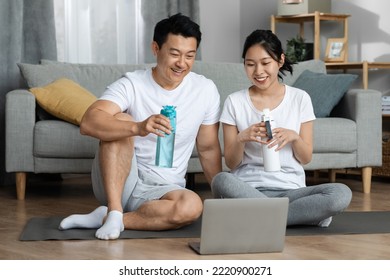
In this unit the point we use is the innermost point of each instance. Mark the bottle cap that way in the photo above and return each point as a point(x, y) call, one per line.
point(169, 111)
point(266, 114)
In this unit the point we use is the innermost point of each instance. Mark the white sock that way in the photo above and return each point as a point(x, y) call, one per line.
point(113, 226)
point(91, 220)
point(325, 223)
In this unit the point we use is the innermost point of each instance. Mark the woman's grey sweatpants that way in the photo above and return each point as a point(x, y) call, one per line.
point(307, 206)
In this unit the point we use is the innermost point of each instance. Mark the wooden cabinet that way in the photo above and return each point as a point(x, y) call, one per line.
point(316, 18)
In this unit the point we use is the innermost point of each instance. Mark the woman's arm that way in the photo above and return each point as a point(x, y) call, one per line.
point(302, 143)
point(234, 141)
point(303, 146)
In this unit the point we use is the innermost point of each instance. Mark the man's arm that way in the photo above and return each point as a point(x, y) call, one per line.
point(209, 150)
point(103, 120)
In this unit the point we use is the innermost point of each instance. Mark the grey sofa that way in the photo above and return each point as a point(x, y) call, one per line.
point(35, 143)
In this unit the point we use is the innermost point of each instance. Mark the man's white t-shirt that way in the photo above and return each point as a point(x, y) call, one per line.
point(296, 108)
point(197, 103)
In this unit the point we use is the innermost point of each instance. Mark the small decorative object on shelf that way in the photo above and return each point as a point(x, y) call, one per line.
point(335, 50)
point(297, 50)
point(385, 105)
point(296, 7)
point(292, 1)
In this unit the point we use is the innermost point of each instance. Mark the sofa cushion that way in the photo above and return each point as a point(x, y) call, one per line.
point(314, 65)
point(96, 77)
point(325, 90)
point(93, 77)
point(334, 135)
point(59, 139)
point(37, 75)
point(64, 99)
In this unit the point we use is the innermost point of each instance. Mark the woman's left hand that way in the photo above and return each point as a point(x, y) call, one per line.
point(281, 137)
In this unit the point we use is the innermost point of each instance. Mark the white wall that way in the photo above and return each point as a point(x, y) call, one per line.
point(220, 26)
point(255, 14)
point(369, 36)
point(226, 23)
point(369, 32)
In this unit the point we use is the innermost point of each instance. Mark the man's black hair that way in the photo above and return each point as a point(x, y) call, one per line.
point(177, 24)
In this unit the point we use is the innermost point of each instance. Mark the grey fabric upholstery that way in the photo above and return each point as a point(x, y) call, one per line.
point(27, 33)
point(349, 138)
point(55, 138)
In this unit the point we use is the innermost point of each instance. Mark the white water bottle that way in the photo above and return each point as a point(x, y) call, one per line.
point(270, 156)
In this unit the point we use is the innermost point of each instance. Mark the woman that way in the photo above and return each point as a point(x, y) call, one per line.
point(292, 110)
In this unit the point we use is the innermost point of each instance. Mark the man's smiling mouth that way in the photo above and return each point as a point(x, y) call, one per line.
point(179, 71)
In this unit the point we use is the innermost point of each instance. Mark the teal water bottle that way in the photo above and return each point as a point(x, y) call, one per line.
point(165, 144)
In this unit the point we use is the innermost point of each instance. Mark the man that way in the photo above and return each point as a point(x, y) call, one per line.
point(139, 195)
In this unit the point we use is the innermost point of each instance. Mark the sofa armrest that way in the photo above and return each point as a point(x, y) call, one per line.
point(19, 130)
point(364, 107)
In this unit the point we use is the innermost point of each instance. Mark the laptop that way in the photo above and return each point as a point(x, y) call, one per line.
point(242, 225)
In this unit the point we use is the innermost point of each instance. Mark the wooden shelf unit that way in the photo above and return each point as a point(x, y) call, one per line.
point(365, 66)
point(315, 17)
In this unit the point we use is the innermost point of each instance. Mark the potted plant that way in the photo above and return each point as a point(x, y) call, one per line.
point(297, 50)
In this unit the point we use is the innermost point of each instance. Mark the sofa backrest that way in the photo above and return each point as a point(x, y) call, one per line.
point(231, 77)
point(228, 77)
point(317, 66)
point(96, 77)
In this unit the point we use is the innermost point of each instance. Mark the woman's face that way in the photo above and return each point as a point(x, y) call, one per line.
point(261, 69)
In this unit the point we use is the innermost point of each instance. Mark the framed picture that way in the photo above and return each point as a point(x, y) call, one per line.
point(335, 50)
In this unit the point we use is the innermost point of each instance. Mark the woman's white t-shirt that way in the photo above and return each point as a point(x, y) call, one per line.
point(197, 103)
point(296, 108)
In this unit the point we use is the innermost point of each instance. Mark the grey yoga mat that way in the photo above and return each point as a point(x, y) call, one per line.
point(46, 228)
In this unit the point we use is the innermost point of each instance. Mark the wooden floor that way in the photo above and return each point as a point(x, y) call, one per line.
point(73, 194)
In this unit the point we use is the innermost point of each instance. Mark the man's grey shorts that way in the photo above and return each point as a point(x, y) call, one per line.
point(139, 187)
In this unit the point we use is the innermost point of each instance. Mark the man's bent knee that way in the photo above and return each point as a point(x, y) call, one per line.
point(186, 210)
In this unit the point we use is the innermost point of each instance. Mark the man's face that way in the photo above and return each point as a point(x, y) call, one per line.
point(174, 60)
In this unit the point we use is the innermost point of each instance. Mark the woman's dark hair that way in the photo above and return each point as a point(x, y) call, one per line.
point(178, 25)
point(272, 45)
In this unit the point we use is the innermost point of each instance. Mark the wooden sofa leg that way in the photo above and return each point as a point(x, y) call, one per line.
point(21, 185)
point(332, 175)
point(366, 178)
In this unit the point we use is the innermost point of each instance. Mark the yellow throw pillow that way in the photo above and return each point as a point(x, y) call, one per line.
point(64, 99)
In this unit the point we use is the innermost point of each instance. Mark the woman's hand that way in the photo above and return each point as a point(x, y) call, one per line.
point(253, 133)
point(281, 137)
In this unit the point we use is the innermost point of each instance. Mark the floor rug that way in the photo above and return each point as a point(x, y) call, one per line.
point(46, 228)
